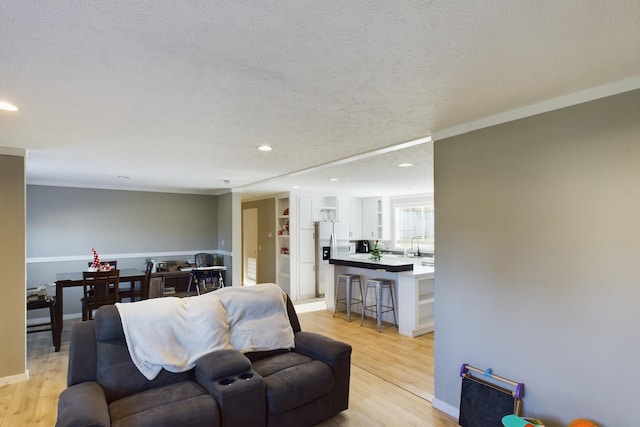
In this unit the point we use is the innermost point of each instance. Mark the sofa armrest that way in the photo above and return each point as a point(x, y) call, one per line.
point(322, 348)
point(334, 353)
point(83, 352)
point(83, 404)
point(228, 377)
point(220, 364)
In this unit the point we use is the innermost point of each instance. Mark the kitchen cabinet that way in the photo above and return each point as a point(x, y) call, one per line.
point(384, 218)
point(303, 271)
point(325, 209)
point(343, 207)
point(355, 219)
point(376, 218)
point(370, 219)
point(306, 266)
point(305, 212)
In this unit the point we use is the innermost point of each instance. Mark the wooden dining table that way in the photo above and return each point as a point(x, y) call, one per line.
point(69, 280)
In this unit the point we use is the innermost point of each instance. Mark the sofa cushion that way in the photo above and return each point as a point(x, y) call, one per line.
point(184, 403)
point(116, 372)
point(292, 380)
point(277, 362)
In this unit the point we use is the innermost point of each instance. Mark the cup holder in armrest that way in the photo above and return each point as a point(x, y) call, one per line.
point(229, 381)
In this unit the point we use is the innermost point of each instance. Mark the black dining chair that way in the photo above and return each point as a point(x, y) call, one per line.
point(49, 303)
point(99, 288)
point(137, 290)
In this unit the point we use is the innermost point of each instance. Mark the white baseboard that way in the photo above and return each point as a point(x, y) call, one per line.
point(446, 408)
point(11, 379)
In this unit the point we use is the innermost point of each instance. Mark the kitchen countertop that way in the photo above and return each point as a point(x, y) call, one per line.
point(388, 263)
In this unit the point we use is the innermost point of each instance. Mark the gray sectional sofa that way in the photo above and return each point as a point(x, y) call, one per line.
point(298, 387)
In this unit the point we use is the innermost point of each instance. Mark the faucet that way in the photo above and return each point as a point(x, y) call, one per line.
point(411, 249)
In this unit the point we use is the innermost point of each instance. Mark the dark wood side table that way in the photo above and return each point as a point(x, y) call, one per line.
point(49, 303)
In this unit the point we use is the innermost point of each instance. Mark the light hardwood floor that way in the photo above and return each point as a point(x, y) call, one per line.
point(391, 377)
point(391, 374)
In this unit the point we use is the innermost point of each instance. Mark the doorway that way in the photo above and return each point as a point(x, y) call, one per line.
point(249, 246)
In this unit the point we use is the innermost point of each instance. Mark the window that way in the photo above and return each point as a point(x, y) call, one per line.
point(413, 223)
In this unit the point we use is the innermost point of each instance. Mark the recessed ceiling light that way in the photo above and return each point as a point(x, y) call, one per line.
point(333, 179)
point(265, 147)
point(295, 187)
point(405, 165)
point(7, 106)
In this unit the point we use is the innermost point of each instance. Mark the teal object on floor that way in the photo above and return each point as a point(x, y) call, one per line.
point(515, 421)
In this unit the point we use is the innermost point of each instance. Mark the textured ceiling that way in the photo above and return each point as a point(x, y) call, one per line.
point(176, 96)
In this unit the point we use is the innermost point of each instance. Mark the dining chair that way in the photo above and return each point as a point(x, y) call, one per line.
point(137, 290)
point(147, 280)
point(50, 303)
point(100, 288)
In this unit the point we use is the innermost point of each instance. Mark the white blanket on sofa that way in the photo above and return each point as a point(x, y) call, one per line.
point(172, 333)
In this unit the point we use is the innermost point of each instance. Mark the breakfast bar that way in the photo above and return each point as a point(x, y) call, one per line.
point(414, 297)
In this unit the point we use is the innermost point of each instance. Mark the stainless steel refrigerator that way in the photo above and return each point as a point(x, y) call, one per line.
point(331, 239)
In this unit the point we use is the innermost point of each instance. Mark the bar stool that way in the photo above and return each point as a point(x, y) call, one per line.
point(347, 280)
point(379, 284)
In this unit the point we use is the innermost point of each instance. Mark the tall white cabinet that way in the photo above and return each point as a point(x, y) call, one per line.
point(306, 258)
point(295, 245)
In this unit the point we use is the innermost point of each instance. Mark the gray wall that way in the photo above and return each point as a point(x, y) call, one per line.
point(266, 224)
point(537, 259)
point(63, 224)
point(225, 233)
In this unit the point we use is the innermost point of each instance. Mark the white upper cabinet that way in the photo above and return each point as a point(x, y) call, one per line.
point(376, 218)
point(355, 219)
point(370, 211)
point(344, 209)
point(305, 213)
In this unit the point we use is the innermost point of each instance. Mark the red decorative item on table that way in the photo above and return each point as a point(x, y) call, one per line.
point(96, 260)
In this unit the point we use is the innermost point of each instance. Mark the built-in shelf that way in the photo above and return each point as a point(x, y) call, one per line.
point(416, 299)
point(327, 213)
point(283, 264)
